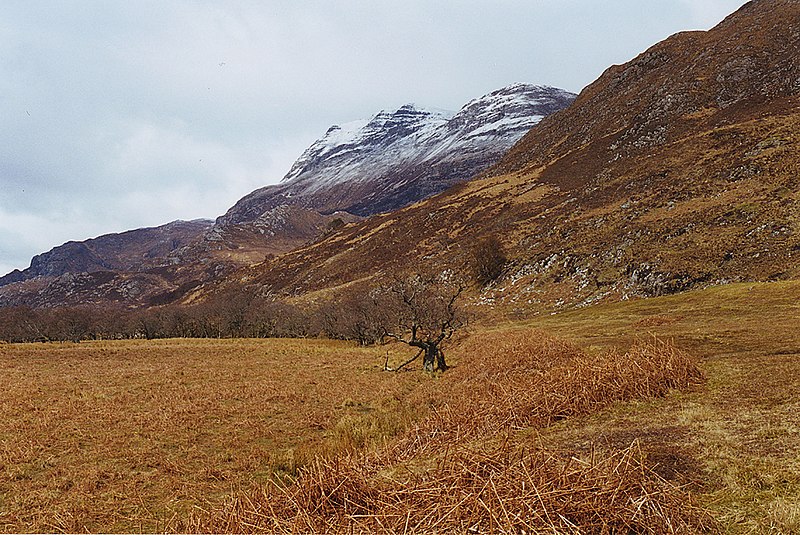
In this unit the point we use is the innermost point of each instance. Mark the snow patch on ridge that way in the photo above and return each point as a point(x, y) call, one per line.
point(359, 151)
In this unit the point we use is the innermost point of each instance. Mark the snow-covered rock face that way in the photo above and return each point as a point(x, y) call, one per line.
point(507, 114)
point(400, 157)
point(352, 141)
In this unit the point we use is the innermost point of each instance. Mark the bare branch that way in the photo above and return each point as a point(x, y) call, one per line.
point(386, 367)
point(423, 312)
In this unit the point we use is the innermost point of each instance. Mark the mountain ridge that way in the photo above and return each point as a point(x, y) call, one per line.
point(676, 170)
point(132, 250)
point(402, 148)
point(397, 158)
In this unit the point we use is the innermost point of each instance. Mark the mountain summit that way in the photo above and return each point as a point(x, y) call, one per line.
point(402, 156)
point(355, 170)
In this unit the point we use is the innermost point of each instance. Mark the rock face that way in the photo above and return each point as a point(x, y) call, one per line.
point(400, 157)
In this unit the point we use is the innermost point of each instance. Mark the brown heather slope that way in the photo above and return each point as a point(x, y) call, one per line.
point(153, 266)
point(676, 170)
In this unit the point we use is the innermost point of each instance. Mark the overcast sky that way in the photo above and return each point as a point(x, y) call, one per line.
point(125, 114)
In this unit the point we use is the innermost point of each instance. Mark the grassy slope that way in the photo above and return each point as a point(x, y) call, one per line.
point(121, 436)
point(736, 440)
point(114, 436)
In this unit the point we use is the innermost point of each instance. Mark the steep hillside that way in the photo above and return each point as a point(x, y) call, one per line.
point(691, 82)
point(275, 231)
point(134, 250)
point(676, 170)
point(128, 269)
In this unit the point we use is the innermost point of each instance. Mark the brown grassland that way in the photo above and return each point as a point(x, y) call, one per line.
point(674, 414)
point(128, 436)
point(735, 441)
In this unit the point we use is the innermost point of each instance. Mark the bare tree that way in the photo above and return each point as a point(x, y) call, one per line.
point(356, 314)
point(423, 311)
point(488, 259)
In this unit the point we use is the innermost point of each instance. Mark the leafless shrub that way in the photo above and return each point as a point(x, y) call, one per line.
point(487, 260)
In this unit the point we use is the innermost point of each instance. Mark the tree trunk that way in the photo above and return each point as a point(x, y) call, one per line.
point(440, 363)
point(434, 358)
point(429, 360)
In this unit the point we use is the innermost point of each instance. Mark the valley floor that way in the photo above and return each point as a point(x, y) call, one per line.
point(124, 436)
point(140, 435)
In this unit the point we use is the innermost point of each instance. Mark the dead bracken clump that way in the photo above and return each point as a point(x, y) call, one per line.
point(487, 490)
point(463, 469)
point(525, 379)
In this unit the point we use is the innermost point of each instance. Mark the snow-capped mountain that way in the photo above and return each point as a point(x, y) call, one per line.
point(356, 169)
point(399, 157)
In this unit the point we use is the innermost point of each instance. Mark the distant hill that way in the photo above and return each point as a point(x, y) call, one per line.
point(134, 250)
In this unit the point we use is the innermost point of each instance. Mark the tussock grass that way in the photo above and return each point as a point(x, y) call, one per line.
point(524, 378)
point(450, 472)
point(493, 489)
point(784, 516)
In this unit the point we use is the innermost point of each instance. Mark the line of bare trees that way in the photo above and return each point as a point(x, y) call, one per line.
point(221, 319)
point(420, 310)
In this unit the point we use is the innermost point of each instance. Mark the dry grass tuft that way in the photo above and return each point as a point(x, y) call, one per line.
point(784, 516)
point(740, 433)
point(493, 489)
point(452, 473)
